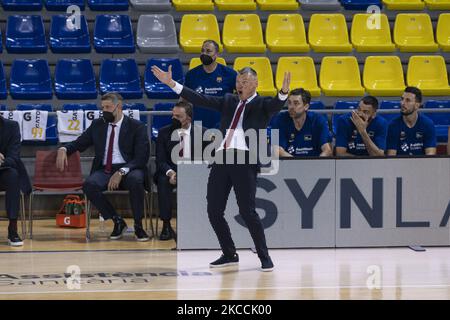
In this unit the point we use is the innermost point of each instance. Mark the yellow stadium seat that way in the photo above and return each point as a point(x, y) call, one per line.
point(328, 33)
point(243, 33)
point(339, 76)
point(235, 5)
point(303, 74)
point(195, 62)
point(438, 4)
point(264, 70)
point(371, 33)
point(196, 28)
point(404, 4)
point(193, 5)
point(414, 33)
point(277, 4)
point(286, 33)
point(383, 76)
point(429, 74)
point(443, 31)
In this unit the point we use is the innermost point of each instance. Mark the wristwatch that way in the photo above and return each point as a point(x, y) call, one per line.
point(122, 172)
point(281, 91)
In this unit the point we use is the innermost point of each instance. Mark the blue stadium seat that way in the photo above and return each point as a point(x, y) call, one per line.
point(137, 106)
point(1, 42)
point(62, 5)
point(66, 38)
point(3, 92)
point(22, 5)
point(3, 107)
point(51, 130)
point(316, 105)
point(209, 118)
point(75, 79)
point(108, 5)
point(157, 90)
point(390, 105)
point(360, 4)
point(79, 106)
point(120, 75)
point(113, 34)
point(160, 121)
point(25, 34)
point(343, 105)
point(30, 79)
point(441, 120)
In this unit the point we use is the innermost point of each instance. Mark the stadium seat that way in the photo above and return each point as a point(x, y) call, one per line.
point(66, 38)
point(414, 33)
point(153, 87)
point(156, 33)
point(152, 5)
point(383, 76)
point(30, 79)
point(303, 74)
point(193, 5)
point(441, 120)
point(429, 74)
point(79, 106)
point(438, 4)
point(264, 70)
point(242, 33)
point(3, 107)
point(113, 34)
point(373, 39)
point(316, 105)
point(1, 42)
point(195, 62)
point(108, 5)
point(443, 31)
point(137, 106)
point(235, 5)
point(122, 76)
point(360, 4)
point(320, 5)
point(62, 5)
point(272, 5)
point(3, 92)
point(286, 33)
point(195, 29)
point(390, 105)
point(339, 76)
point(50, 131)
point(160, 121)
point(75, 79)
point(21, 5)
point(25, 34)
point(404, 4)
point(328, 33)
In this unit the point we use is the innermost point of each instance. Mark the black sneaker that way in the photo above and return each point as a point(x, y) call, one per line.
point(120, 228)
point(266, 264)
point(167, 232)
point(14, 239)
point(140, 234)
point(225, 261)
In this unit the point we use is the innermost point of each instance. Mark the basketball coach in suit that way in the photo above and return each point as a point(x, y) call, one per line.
point(239, 113)
point(165, 176)
point(13, 176)
point(122, 151)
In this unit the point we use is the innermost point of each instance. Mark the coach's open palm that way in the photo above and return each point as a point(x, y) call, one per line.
point(164, 77)
point(286, 82)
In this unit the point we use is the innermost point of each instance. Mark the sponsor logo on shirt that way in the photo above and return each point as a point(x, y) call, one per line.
point(219, 79)
point(419, 135)
point(308, 137)
point(199, 90)
point(402, 135)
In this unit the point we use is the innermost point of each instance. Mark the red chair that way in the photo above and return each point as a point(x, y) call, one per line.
point(48, 180)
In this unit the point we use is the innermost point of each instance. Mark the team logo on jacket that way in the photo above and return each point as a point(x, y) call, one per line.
point(219, 79)
point(419, 135)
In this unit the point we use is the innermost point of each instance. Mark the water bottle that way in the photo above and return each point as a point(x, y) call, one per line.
point(102, 222)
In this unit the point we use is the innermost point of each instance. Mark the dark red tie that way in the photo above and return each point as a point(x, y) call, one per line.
point(108, 167)
point(234, 123)
point(181, 153)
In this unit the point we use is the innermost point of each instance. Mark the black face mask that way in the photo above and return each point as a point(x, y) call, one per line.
point(206, 60)
point(176, 124)
point(108, 116)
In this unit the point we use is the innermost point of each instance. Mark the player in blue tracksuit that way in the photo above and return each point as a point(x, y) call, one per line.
point(412, 133)
point(302, 133)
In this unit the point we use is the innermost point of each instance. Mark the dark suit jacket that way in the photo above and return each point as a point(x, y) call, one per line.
point(257, 113)
point(10, 148)
point(133, 144)
point(164, 146)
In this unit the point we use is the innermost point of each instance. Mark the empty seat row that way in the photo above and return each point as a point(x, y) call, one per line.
point(242, 33)
point(62, 5)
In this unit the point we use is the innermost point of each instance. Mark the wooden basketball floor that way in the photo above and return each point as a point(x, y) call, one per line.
point(126, 269)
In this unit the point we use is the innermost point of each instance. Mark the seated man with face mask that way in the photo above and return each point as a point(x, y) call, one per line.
point(181, 134)
point(210, 78)
point(122, 151)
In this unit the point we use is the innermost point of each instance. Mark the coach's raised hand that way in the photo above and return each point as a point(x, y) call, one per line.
point(164, 77)
point(286, 82)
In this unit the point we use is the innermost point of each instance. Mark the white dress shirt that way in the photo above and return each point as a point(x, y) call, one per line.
point(116, 155)
point(186, 144)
